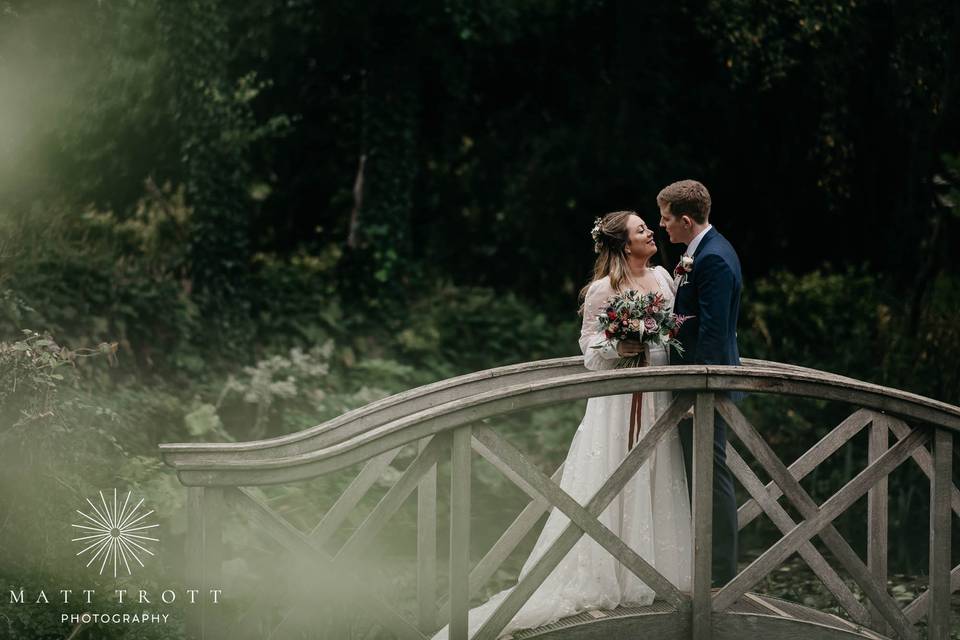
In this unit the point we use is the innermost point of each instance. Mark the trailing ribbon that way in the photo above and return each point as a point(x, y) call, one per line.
point(636, 406)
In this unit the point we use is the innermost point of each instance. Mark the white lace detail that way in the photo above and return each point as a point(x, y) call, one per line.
point(651, 514)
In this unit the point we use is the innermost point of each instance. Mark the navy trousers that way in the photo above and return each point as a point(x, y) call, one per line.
point(724, 545)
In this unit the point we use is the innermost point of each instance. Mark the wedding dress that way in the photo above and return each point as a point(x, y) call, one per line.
point(651, 514)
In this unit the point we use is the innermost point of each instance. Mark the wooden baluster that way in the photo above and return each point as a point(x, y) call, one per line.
point(204, 559)
point(877, 528)
point(460, 533)
point(941, 484)
point(703, 426)
point(427, 547)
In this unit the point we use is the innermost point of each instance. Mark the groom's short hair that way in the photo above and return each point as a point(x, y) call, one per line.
point(686, 197)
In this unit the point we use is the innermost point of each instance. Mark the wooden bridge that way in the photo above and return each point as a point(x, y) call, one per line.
point(446, 419)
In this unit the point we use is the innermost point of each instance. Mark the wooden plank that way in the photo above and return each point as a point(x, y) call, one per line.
point(938, 615)
point(918, 608)
point(352, 496)
point(506, 470)
point(569, 536)
point(460, 534)
point(782, 520)
point(578, 514)
point(504, 545)
point(924, 460)
point(194, 557)
point(204, 553)
point(826, 386)
point(374, 414)
point(737, 626)
point(391, 501)
point(702, 513)
point(831, 537)
point(435, 420)
point(767, 605)
point(811, 458)
point(818, 521)
point(551, 391)
point(307, 551)
point(877, 520)
point(226, 465)
point(427, 547)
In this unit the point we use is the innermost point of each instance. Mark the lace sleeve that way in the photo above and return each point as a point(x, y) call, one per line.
point(669, 280)
point(596, 299)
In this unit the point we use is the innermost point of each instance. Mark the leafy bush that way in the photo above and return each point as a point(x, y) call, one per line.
point(104, 278)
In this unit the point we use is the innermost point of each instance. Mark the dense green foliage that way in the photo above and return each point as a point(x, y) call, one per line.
point(225, 221)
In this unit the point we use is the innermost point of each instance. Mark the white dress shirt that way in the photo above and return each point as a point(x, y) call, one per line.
point(692, 247)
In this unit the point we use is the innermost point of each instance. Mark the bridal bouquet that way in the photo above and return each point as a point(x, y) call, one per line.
point(631, 316)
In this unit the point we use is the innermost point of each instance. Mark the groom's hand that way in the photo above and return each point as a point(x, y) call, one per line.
point(629, 348)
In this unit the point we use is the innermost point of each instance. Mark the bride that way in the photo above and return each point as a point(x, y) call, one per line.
point(652, 512)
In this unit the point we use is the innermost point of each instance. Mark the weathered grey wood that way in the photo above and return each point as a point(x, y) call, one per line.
point(702, 513)
point(744, 622)
point(504, 545)
point(737, 626)
point(371, 433)
point(916, 610)
point(569, 536)
point(389, 409)
point(551, 391)
point(924, 460)
point(460, 533)
point(245, 503)
point(427, 547)
point(809, 461)
point(204, 558)
point(506, 470)
point(390, 436)
point(579, 515)
point(818, 521)
point(782, 520)
point(545, 392)
point(194, 556)
point(392, 500)
point(938, 616)
point(832, 387)
point(374, 414)
point(877, 530)
point(352, 496)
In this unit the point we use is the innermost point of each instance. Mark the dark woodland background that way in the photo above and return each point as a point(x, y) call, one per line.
point(233, 220)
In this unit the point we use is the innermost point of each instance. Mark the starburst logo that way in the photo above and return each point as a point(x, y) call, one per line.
point(115, 535)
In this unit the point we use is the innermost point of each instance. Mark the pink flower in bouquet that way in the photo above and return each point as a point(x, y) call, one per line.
point(646, 317)
point(656, 304)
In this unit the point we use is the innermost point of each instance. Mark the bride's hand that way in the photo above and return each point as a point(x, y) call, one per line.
point(629, 348)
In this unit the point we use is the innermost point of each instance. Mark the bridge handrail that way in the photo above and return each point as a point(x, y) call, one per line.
point(224, 468)
point(381, 411)
point(398, 405)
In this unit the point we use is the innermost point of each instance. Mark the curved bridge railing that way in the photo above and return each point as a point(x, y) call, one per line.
point(445, 419)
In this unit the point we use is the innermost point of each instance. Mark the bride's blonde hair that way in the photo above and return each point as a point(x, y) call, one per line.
point(611, 242)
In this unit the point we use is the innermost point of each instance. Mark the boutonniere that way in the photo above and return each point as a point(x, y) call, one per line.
point(683, 269)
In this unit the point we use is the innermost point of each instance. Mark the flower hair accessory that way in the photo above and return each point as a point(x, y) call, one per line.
point(595, 234)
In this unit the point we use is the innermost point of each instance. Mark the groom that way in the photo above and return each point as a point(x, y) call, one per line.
point(709, 290)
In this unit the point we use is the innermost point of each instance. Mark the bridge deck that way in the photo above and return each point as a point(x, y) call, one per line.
point(754, 616)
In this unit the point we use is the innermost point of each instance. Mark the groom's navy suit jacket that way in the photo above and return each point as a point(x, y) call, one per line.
point(712, 295)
